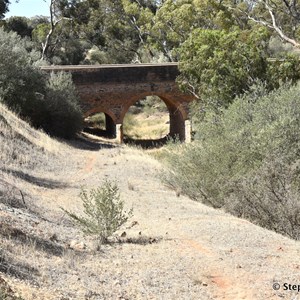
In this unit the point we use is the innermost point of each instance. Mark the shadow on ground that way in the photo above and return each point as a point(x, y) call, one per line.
point(39, 181)
point(10, 266)
point(44, 245)
point(99, 132)
point(141, 240)
point(84, 142)
point(147, 143)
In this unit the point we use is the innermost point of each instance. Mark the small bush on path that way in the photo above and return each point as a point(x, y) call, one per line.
point(103, 211)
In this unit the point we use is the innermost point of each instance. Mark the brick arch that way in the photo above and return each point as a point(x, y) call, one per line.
point(112, 89)
point(177, 113)
point(110, 120)
point(98, 110)
point(170, 103)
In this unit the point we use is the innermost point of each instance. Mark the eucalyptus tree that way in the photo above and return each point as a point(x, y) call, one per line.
point(20, 25)
point(3, 7)
point(281, 16)
point(116, 29)
point(216, 65)
point(56, 17)
point(55, 36)
point(174, 21)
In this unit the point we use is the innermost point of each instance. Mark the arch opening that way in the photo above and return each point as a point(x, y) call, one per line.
point(152, 121)
point(100, 124)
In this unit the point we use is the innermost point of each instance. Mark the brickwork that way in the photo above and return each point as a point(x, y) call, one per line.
point(112, 89)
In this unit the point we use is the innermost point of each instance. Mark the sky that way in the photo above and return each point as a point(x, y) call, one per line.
point(28, 8)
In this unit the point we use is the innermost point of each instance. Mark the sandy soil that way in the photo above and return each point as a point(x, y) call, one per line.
point(174, 248)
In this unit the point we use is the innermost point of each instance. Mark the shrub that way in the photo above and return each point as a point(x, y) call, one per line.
point(269, 197)
point(97, 120)
point(20, 81)
point(103, 210)
point(60, 114)
point(232, 164)
point(50, 104)
point(281, 70)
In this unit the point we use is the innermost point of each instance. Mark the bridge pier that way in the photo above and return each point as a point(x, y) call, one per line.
point(177, 125)
point(110, 126)
point(119, 133)
point(188, 131)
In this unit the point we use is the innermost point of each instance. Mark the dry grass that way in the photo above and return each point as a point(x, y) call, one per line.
point(22, 147)
point(143, 126)
point(12, 126)
point(28, 159)
point(172, 248)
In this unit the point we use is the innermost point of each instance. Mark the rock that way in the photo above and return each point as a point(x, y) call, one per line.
point(76, 245)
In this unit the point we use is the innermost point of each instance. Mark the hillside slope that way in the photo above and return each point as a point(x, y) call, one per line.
point(172, 248)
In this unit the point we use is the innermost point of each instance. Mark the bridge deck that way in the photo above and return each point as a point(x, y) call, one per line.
point(106, 66)
point(119, 74)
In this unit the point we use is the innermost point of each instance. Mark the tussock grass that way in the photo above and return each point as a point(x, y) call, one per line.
point(24, 153)
point(13, 127)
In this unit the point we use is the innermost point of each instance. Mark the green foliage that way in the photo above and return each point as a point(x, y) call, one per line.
point(66, 47)
point(125, 31)
point(247, 160)
point(60, 112)
point(218, 65)
point(20, 25)
point(20, 81)
point(279, 16)
point(3, 7)
point(175, 20)
point(282, 70)
point(40, 32)
point(103, 210)
point(50, 104)
point(116, 28)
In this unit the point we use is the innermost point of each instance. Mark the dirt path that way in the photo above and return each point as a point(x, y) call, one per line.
point(174, 248)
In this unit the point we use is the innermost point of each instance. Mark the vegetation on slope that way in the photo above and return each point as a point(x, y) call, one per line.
point(48, 103)
point(23, 151)
point(247, 160)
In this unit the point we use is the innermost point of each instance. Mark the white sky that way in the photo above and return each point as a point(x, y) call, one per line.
point(28, 8)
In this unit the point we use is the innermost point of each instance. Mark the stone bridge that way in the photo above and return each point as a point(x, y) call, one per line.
point(112, 89)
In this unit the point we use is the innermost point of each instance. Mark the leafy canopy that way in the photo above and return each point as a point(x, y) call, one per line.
point(218, 65)
point(3, 7)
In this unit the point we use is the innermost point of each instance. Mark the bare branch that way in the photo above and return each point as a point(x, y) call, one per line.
point(272, 24)
point(278, 30)
point(54, 23)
